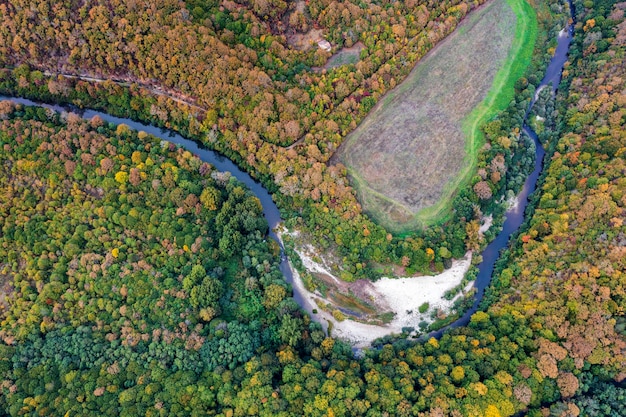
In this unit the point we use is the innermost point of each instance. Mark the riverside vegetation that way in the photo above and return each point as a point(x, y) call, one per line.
point(550, 340)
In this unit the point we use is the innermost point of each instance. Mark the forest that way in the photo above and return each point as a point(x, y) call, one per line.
point(136, 288)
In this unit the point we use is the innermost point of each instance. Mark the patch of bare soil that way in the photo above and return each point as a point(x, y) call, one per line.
point(300, 32)
point(304, 41)
point(5, 290)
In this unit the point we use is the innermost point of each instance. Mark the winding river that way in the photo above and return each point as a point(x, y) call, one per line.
point(514, 217)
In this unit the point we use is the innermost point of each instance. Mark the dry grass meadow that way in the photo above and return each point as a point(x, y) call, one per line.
point(410, 154)
point(345, 56)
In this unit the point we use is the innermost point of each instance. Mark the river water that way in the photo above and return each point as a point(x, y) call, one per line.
point(514, 217)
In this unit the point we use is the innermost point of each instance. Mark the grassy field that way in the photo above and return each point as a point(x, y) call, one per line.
point(419, 144)
point(345, 56)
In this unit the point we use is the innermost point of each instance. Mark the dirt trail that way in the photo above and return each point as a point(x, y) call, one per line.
point(157, 91)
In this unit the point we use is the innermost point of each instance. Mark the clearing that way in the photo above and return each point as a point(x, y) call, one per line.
point(297, 39)
point(420, 142)
point(347, 55)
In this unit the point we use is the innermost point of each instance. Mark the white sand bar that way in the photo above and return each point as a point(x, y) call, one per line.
point(403, 296)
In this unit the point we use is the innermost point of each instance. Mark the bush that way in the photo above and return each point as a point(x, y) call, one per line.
point(338, 315)
point(424, 307)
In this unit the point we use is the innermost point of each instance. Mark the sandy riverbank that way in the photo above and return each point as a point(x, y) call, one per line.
point(402, 296)
point(487, 221)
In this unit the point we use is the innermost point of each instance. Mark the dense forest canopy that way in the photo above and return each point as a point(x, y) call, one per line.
point(137, 289)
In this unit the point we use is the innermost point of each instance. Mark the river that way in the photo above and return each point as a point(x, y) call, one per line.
point(514, 217)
